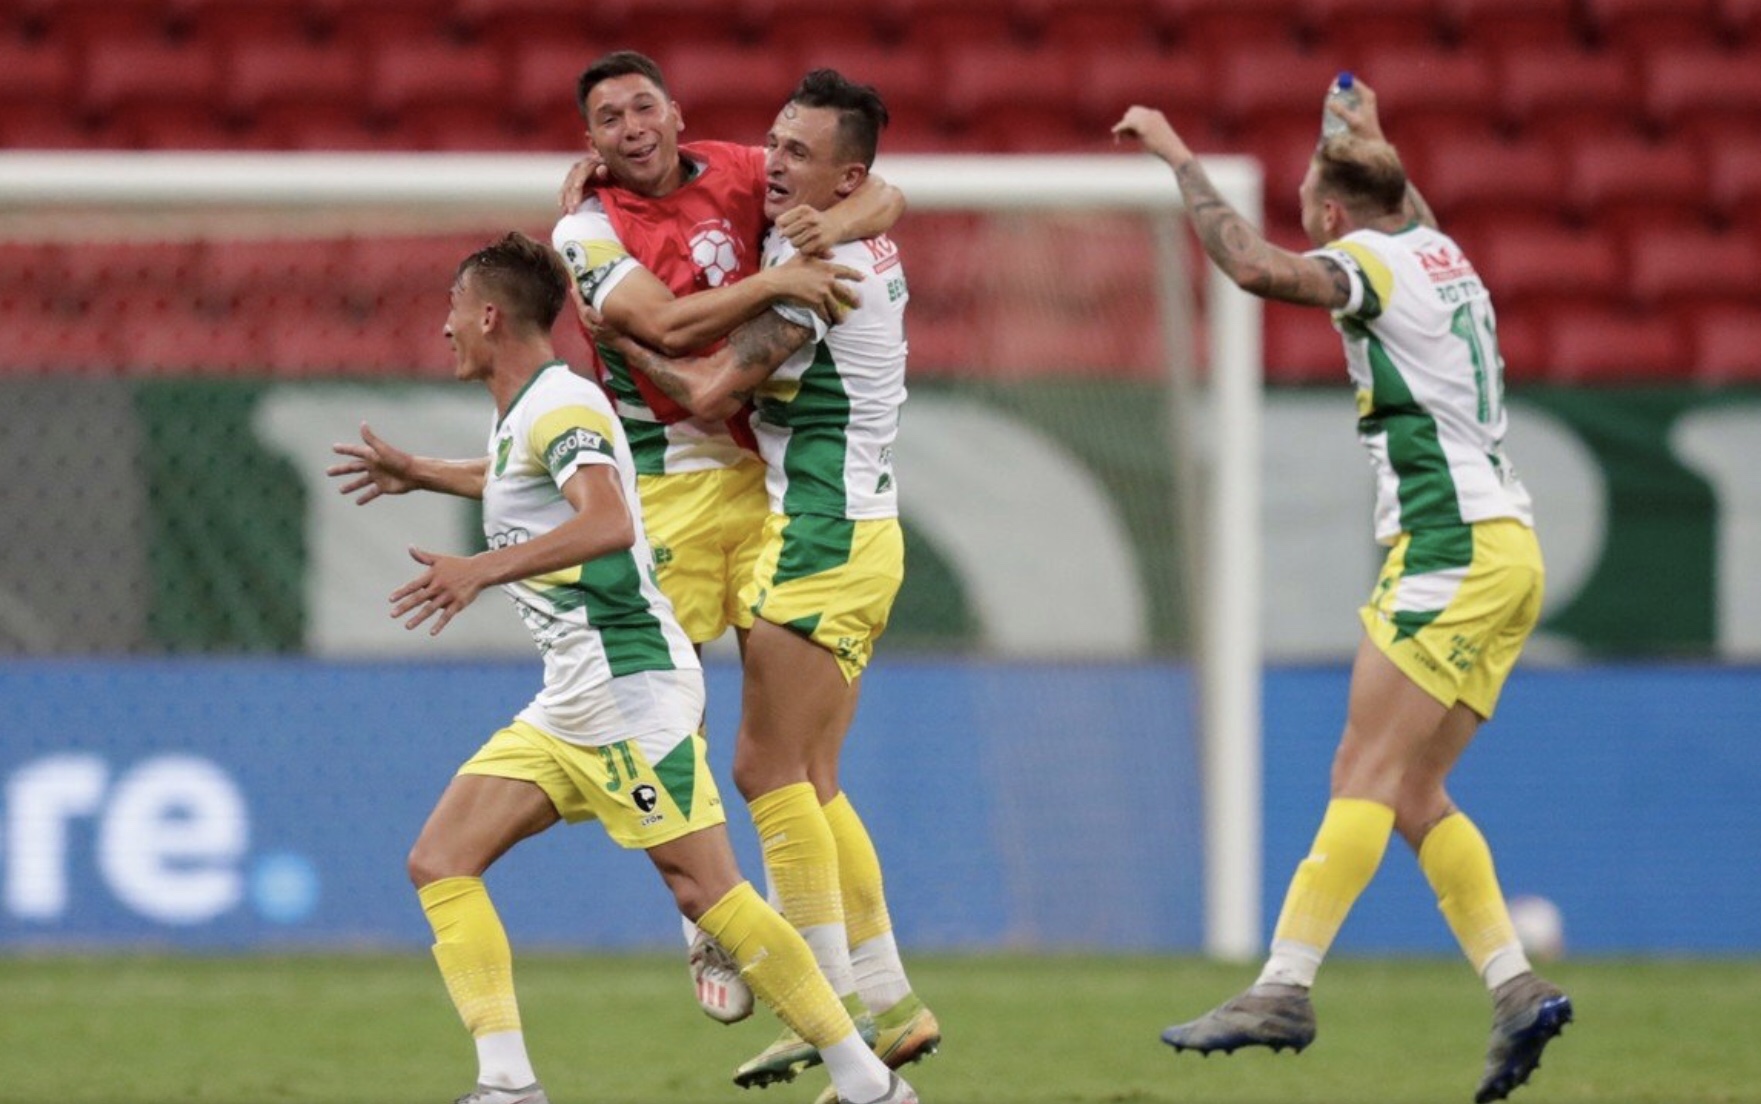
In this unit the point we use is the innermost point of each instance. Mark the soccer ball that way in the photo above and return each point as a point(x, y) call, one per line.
point(715, 252)
point(1540, 927)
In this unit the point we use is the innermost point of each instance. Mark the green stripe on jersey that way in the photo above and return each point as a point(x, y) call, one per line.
point(1427, 490)
point(678, 773)
point(818, 418)
point(647, 439)
point(813, 543)
point(1440, 549)
point(611, 590)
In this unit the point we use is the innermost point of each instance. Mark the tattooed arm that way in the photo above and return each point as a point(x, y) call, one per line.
point(714, 387)
point(1244, 255)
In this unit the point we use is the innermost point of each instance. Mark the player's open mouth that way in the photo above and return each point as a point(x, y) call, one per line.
point(776, 191)
point(642, 155)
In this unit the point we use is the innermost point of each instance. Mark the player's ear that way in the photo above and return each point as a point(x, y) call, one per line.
point(678, 115)
point(851, 178)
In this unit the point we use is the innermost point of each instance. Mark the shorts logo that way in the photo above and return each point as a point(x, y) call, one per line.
point(646, 797)
point(662, 555)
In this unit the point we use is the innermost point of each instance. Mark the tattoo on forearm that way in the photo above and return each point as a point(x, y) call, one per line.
point(1244, 254)
point(662, 371)
point(762, 344)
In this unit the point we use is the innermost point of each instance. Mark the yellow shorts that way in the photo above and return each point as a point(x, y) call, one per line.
point(705, 528)
point(1454, 606)
point(830, 579)
point(645, 791)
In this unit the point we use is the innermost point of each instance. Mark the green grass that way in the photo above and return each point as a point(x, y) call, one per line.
point(1020, 1030)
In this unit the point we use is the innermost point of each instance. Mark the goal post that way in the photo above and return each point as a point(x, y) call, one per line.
point(1218, 427)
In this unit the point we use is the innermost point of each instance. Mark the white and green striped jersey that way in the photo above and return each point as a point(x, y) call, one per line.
point(1421, 343)
point(616, 663)
point(826, 419)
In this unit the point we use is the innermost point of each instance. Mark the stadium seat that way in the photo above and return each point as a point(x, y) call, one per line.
point(426, 83)
point(1549, 269)
point(126, 78)
point(379, 23)
point(1004, 95)
point(1740, 21)
point(228, 25)
point(933, 25)
point(1645, 25)
point(1432, 91)
point(1727, 343)
point(1736, 182)
point(378, 268)
point(1301, 346)
point(1375, 24)
point(1552, 95)
point(1626, 183)
point(1472, 178)
point(1499, 25)
point(1220, 28)
point(1125, 26)
point(517, 25)
point(1673, 269)
point(730, 93)
point(1274, 86)
point(33, 74)
point(46, 126)
point(63, 340)
point(1284, 149)
point(294, 75)
point(907, 79)
point(83, 21)
point(1179, 84)
point(541, 83)
point(797, 26)
point(1592, 345)
point(1703, 92)
point(1522, 343)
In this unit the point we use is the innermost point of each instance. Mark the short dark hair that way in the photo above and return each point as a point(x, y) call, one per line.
point(1364, 174)
point(861, 113)
point(523, 276)
point(618, 63)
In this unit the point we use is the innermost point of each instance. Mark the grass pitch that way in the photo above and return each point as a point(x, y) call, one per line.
point(1020, 1030)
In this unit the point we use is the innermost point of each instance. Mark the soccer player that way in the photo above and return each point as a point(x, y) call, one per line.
point(1458, 595)
point(612, 735)
point(668, 251)
point(826, 400)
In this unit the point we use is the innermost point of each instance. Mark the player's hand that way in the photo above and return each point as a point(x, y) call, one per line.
point(1362, 120)
point(822, 287)
point(376, 468)
point(1152, 128)
point(449, 585)
point(598, 329)
point(810, 230)
point(584, 175)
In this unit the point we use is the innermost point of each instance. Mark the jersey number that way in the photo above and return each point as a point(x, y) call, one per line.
point(1472, 322)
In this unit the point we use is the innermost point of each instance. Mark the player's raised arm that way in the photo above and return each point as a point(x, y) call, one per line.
point(871, 210)
point(1237, 247)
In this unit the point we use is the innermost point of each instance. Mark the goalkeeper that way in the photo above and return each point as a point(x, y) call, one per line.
point(1458, 595)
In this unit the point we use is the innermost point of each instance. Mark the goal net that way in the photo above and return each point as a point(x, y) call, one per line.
point(1073, 659)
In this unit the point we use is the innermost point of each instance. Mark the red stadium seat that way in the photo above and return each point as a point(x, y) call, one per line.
point(1625, 183)
point(1445, 92)
point(1522, 343)
point(79, 21)
point(1551, 268)
point(1741, 20)
point(1727, 341)
point(128, 76)
point(1736, 182)
point(63, 340)
point(33, 74)
point(1710, 93)
point(1084, 25)
point(1616, 346)
point(294, 75)
point(1274, 86)
point(796, 26)
point(730, 93)
point(378, 23)
point(426, 84)
point(1284, 149)
point(1109, 81)
point(1671, 268)
point(933, 25)
point(1004, 94)
point(1551, 94)
point(1467, 179)
point(1644, 25)
point(1505, 24)
point(1218, 28)
point(228, 25)
point(542, 81)
point(1376, 24)
point(1301, 346)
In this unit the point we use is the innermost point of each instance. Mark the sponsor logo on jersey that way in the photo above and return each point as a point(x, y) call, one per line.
point(572, 444)
point(1444, 263)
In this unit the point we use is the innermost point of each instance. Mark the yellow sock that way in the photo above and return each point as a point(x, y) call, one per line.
point(801, 860)
point(472, 949)
point(874, 955)
point(1347, 850)
point(1458, 864)
point(775, 961)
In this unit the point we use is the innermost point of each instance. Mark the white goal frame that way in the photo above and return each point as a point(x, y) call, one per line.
point(1228, 442)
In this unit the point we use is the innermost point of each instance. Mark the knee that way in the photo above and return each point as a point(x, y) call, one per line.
point(1418, 810)
point(427, 863)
